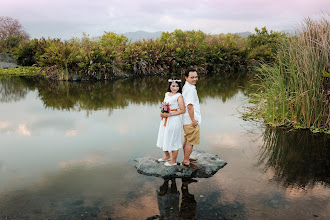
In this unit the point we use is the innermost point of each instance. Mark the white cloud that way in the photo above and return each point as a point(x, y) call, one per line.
point(71, 133)
point(22, 130)
point(67, 19)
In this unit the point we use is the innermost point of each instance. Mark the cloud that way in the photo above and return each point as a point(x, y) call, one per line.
point(4, 127)
point(67, 19)
point(90, 160)
point(71, 133)
point(22, 130)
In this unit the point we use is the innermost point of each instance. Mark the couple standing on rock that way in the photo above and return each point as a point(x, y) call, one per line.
point(182, 120)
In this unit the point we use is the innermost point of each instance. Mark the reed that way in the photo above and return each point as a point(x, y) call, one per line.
point(297, 91)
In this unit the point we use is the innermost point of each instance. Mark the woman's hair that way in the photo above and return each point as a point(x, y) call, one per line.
point(176, 80)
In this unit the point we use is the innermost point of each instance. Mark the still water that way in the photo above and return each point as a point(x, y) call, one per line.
point(67, 151)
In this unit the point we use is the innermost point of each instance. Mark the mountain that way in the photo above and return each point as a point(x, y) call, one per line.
point(290, 31)
point(139, 35)
point(244, 34)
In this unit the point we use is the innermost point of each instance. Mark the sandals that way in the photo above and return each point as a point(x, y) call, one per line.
point(169, 165)
point(190, 165)
point(162, 160)
point(193, 159)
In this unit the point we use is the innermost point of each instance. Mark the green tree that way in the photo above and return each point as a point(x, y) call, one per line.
point(11, 33)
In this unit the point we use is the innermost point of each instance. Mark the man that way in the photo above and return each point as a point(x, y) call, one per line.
point(192, 116)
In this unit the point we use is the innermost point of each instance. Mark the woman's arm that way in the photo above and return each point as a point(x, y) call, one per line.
point(179, 112)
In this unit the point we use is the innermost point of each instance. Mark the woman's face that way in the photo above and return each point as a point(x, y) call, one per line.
point(174, 87)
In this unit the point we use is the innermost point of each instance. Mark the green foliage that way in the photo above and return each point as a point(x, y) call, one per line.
point(20, 71)
point(62, 56)
point(113, 55)
point(226, 52)
point(28, 52)
point(263, 44)
point(11, 34)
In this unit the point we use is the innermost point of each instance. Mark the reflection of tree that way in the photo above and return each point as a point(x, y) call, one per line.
point(118, 94)
point(101, 95)
point(12, 89)
point(92, 96)
point(299, 158)
point(223, 87)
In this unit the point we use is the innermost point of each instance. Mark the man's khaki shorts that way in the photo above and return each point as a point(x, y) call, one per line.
point(191, 134)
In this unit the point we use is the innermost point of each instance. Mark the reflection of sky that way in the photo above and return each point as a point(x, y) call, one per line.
point(54, 150)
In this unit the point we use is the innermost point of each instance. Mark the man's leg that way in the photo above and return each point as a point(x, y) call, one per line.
point(187, 151)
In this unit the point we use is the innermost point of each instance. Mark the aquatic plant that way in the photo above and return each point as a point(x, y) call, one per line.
point(296, 88)
point(27, 71)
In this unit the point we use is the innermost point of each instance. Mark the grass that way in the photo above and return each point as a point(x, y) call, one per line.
point(21, 71)
point(296, 90)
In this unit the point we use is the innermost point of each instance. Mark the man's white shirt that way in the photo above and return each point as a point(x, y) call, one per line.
point(190, 96)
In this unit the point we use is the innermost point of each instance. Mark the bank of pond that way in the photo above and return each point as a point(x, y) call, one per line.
point(113, 55)
point(293, 89)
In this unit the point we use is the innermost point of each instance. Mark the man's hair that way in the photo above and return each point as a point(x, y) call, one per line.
point(190, 69)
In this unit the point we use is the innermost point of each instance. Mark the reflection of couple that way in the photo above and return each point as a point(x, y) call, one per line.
point(168, 201)
point(184, 113)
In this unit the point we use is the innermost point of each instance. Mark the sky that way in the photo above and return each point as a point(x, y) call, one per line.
point(71, 18)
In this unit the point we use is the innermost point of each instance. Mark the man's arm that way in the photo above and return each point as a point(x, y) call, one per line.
point(190, 109)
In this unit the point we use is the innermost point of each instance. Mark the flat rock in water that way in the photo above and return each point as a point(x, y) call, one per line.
point(208, 165)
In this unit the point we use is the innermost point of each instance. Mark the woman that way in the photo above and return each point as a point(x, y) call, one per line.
point(170, 130)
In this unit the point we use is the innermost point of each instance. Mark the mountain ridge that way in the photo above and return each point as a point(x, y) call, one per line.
point(140, 35)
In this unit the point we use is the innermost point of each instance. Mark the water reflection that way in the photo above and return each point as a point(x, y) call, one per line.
point(297, 158)
point(76, 192)
point(13, 89)
point(168, 201)
point(92, 96)
point(57, 163)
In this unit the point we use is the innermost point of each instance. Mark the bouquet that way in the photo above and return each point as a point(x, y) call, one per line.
point(165, 108)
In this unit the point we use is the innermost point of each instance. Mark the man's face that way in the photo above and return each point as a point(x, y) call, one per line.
point(192, 78)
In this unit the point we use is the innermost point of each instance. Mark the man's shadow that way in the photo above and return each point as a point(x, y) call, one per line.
point(168, 198)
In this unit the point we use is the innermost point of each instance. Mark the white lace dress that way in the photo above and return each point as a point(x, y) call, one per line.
point(170, 137)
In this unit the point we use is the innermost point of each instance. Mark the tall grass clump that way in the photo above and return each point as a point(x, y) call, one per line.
point(296, 88)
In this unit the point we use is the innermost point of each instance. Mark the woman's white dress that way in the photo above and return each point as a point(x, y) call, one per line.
point(170, 137)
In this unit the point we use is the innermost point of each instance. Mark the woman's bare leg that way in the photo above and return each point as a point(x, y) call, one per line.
point(167, 155)
point(174, 156)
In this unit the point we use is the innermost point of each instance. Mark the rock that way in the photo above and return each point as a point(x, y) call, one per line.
point(75, 78)
point(5, 65)
point(6, 61)
point(208, 165)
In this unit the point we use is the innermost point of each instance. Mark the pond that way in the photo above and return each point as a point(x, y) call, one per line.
point(67, 151)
